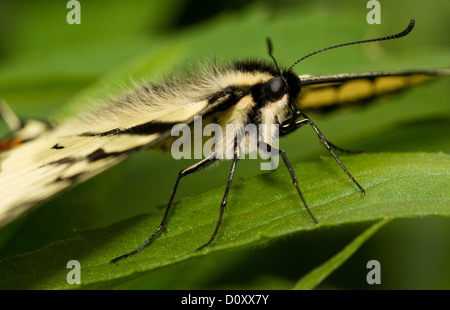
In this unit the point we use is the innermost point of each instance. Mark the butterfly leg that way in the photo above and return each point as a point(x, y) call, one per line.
point(332, 145)
point(194, 168)
point(324, 141)
point(225, 196)
point(271, 149)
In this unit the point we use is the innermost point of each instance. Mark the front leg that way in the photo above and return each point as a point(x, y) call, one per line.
point(272, 149)
point(327, 145)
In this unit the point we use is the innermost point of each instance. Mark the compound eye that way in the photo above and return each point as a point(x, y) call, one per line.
point(275, 89)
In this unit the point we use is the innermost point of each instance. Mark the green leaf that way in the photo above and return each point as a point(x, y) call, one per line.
point(317, 275)
point(259, 210)
point(46, 64)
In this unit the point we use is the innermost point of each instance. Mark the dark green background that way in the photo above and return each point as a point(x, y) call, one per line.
point(49, 68)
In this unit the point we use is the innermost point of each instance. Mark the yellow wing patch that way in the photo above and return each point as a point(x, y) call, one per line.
point(353, 90)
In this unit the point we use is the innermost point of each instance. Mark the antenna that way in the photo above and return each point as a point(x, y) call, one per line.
point(395, 36)
point(269, 46)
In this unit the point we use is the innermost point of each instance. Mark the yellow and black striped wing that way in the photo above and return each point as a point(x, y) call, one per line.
point(53, 161)
point(322, 94)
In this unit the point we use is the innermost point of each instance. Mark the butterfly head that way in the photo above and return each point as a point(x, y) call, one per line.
point(284, 84)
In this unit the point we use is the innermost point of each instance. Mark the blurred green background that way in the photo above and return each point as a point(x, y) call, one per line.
point(49, 69)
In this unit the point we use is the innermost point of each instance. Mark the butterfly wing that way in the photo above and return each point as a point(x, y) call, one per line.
point(322, 94)
point(58, 159)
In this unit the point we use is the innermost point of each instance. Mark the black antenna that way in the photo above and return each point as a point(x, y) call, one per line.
point(269, 45)
point(395, 36)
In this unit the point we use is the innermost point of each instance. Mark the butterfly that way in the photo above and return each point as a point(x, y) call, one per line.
point(43, 159)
